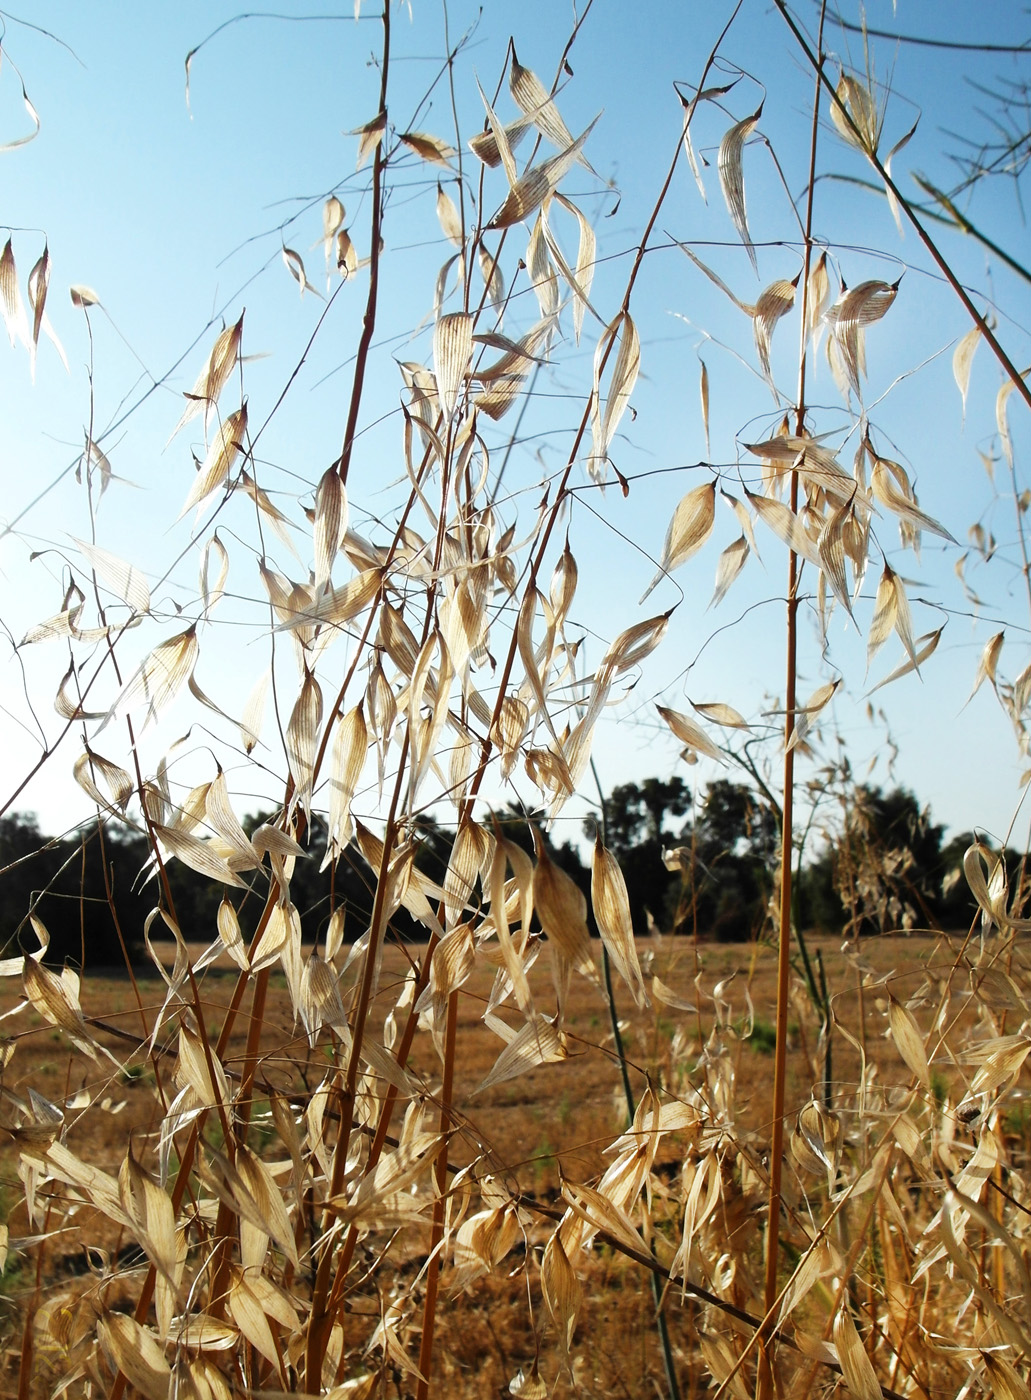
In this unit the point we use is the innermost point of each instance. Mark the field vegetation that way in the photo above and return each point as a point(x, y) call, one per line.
point(414, 1082)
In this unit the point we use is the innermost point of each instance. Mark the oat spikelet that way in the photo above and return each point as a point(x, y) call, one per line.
point(732, 181)
point(612, 912)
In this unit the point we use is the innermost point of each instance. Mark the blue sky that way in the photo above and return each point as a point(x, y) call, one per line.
point(177, 217)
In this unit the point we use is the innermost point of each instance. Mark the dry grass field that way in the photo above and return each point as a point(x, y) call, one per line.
point(550, 1123)
point(246, 1174)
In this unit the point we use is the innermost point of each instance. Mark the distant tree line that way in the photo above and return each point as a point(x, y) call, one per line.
point(705, 867)
point(93, 890)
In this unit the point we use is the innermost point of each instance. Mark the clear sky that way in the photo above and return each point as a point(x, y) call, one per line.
point(177, 217)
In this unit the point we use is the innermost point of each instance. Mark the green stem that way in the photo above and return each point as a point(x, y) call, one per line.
point(665, 1345)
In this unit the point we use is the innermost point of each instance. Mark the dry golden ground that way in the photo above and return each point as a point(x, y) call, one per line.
point(558, 1118)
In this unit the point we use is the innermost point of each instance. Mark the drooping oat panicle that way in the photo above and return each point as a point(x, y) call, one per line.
point(611, 905)
point(485, 145)
point(82, 296)
point(159, 678)
point(124, 579)
point(449, 218)
point(39, 283)
point(925, 646)
point(580, 278)
point(786, 525)
point(346, 255)
point(470, 861)
point(889, 193)
point(203, 398)
point(136, 1353)
point(211, 590)
point(830, 546)
point(199, 855)
point(298, 610)
point(817, 464)
point(848, 318)
point(562, 910)
point(805, 715)
point(857, 114)
point(538, 184)
point(223, 821)
point(10, 298)
point(561, 1288)
point(1005, 1380)
point(226, 446)
point(428, 148)
point(493, 279)
point(295, 266)
point(538, 1042)
point(885, 610)
point(732, 181)
point(909, 1042)
point(731, 561)
point(541, 272)
point(533, 100)
point(632, 646)
point(302, 735)
point(119, 784)
point(703, 389)
point(775, 301)
point(856, 1367)
point(720, 713)
point(369, 137)
point(988, 664)
point(962, 362)
point(605, 421)
point(690, 106)
point(254, 713)
point(691, 735)
point(333, 215)
point(452, 351)
point(817, 292)
point(689, 528)
point(330, 524)
point(891, 487)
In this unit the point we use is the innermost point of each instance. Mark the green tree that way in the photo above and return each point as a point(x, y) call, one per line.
point(728, 868)
point(636, 813)
point(85, 888)
point(636, 817)
point(888, 866)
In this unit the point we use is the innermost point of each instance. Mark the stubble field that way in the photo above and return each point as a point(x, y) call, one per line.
point(551, 1122)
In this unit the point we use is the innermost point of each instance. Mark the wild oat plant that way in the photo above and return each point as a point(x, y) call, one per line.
point(300, 1214)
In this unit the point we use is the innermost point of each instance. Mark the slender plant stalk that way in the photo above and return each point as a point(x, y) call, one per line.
point(379, 162)
point(765, 1369)
point(668, 1364)
point(429, 1314)
point(550, 522)
point(1012, 373)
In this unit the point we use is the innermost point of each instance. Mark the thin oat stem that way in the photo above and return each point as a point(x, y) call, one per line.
point(668, 1363)
point(1011, 371)
point(379, 162)
point(766, 1378)
point(440, 1168)
point(546, 530)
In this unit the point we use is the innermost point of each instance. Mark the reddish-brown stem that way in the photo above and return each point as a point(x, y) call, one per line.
point(765, 1369)
point(560, 493)
point(190, 1149)
point(321, 1318)
point(429, 1314)
point(379, 162)
point(1012, 373)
